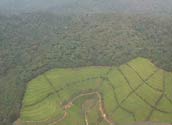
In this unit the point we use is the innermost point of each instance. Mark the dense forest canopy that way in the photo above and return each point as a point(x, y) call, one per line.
point(38, 35)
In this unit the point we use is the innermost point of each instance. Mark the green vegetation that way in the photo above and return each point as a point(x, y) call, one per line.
point(99, 95)
point(33, 43)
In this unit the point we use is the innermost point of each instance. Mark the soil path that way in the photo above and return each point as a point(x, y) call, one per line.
point(101, 106)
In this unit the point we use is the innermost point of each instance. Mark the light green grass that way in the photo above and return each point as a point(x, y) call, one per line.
point(37, 89)
point(148, 94)
point(143, 66)
point(60, 76)
point(168, 84)
point(156, 81)
point(137, 106)
point(163, 118)
point(93, 115)
point(165, 105)
point(72, 90)
point(122, 116)
point(121, 87)
point(108, 97)
point(127, 91)
point(131, 76)
point(45, 110)
point(74, 117)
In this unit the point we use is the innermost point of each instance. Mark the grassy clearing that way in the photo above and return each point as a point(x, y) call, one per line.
point(72, 90)
point(156, 81)
point(129, 93)
point(148, 94)
point(45, 110)
point(60, 76)
point(130, 76)
point(168, 84)
point(121, 87)
point(121, 115)
point(165, 105)
point(163, 118)
point(74, 117)
point(143, 66)
point(93, 116)
point(37, 89)
point(108, 97)
point(137, 106)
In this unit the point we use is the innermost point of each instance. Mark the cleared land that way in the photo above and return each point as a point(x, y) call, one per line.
point(134, 92)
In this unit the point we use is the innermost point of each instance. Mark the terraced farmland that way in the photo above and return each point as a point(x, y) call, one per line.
point(137, 91)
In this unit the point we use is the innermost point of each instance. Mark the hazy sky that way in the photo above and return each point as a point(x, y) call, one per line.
point(22, 6)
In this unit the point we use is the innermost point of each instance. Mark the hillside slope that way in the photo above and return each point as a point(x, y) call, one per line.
point(133, 92)
point(33, 43)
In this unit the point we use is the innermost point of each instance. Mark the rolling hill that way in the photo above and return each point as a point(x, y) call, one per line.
point(133, 92)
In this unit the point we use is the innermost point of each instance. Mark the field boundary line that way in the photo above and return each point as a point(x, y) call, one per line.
point(145, 81)
point(152, 106)
point(117, 101)
point(135, 89)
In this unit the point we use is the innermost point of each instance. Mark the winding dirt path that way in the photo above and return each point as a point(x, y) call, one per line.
point(64, 116)
point(101, 106)
point(86, 119)
point(70, 104)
